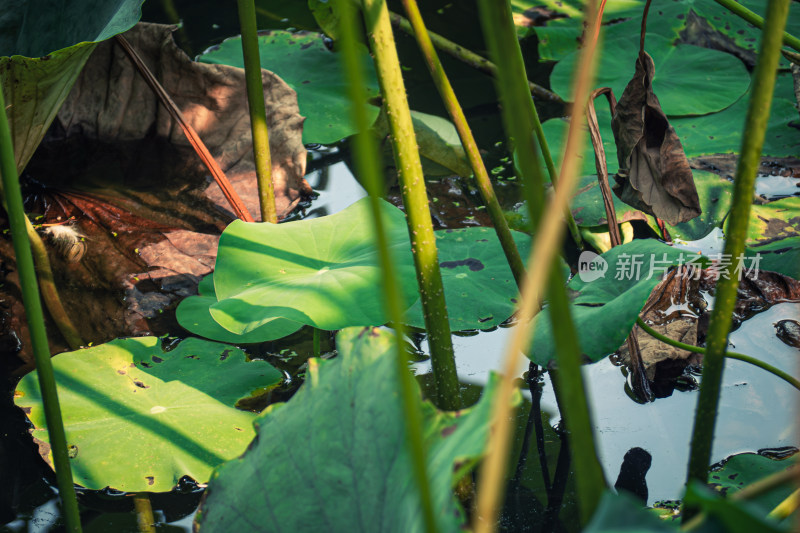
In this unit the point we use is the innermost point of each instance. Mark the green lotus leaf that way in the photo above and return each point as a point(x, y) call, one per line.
point(721, 132)
point(555, 131)
point(716, 197)
point(588, 208)
point(43, 49)
point(437, 141)
point(610, 303)
point(478, 284)
point(696, 19)
point(138, 418)
point(621, 513)
point(743, 469)
point(780, 256)
point(561, 35)
point(341, 438)
point(689, 80)
point(193, 315)
point(323, 272)
point(730, 516)
point(774, 221)
point(306, 64)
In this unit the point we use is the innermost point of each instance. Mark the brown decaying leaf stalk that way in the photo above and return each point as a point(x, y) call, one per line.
point(640, 385)
point(545, 247)
point(191, 135)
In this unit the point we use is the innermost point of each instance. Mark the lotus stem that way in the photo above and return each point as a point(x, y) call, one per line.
point(484, 65)
point(35, 317)
point(742, 12)
point(467, 140)
point(751, 491)
point(415, 199)
point(755, 126)
point(145, 521)
point(730, 355)
point(258, 113)
point(47, 286)
point(468, 57)
point(194, 139)
point(500, 36)
point(368, 163)
point(315, 343)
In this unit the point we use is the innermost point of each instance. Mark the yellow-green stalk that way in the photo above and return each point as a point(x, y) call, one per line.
point(367, 160)
point(467, 140)
point(415, 199)
point(35, 317)
point(500, 36)
point(754, 129)
point(258, 113)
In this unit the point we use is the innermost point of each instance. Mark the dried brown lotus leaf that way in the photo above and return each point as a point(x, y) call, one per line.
point(654, 175)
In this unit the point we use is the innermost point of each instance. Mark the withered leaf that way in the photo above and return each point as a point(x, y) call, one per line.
point(677, 308)
point(654, 174)
point(111, 101)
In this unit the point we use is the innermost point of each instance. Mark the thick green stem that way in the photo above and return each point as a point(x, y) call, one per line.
point(33, 311)
point(415, 199)
point(755, 127)
point(145, 521)
point(367, 160)
point(467, 140)
point(258, 113)
point(589, 478)
point(484, 65)
point(315, 343)
point(730, 355)
point(517, 111)
point(742, 12)
point(47, 285)
point(469, 57)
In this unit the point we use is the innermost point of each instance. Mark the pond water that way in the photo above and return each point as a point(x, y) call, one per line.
point(756, 409)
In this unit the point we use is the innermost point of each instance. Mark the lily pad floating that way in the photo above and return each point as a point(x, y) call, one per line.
point(193, 315)
point(341, 438)
point(716, 196)
point(43, 50)
point(478, 284)
point(726, 515)
point(588, 208)
point(774, 221)
point(555, 131)
point(689, 80)
point(621, 512)
point(304, 62)
point(138, 418)
point(610, 299)
point(323, 272)
point(743, 469)
point(721, 132)
point(780, 256)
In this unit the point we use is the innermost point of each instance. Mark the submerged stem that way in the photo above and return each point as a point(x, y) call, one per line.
point(730, 355)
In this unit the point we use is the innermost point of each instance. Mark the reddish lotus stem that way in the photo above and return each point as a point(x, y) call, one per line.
point(194, 139)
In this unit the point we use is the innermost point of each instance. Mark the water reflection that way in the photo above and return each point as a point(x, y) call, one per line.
point(756, 409)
